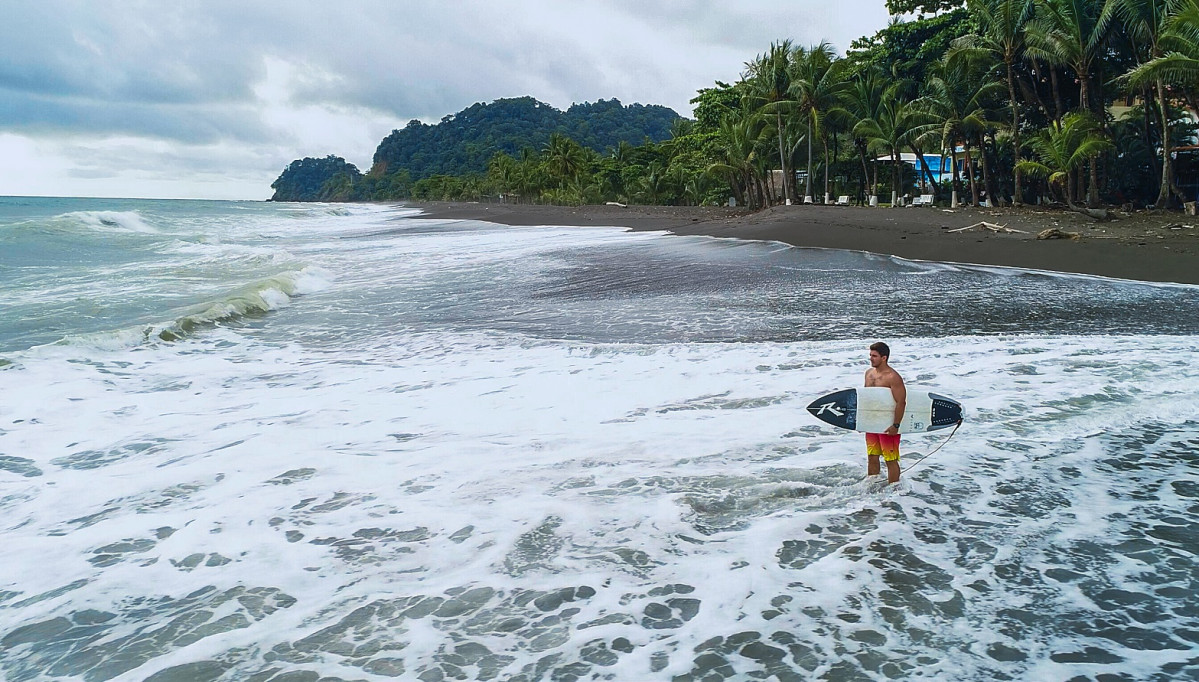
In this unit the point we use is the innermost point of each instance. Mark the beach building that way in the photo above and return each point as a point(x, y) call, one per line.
point(940, 168)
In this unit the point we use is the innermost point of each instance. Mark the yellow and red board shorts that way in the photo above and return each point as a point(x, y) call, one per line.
point(883, 444)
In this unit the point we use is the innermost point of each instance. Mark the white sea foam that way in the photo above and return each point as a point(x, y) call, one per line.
point(470, 463)
point(402, 471)
point(112, 221)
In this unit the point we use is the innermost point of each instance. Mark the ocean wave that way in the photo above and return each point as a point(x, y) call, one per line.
point(250, 301)
point(79, 223)
point(110, 221)
point(253, 300)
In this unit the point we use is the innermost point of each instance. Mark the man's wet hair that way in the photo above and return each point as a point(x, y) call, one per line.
point(881, 348)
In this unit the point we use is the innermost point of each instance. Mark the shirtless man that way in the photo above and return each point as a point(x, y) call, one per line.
point(886, 443)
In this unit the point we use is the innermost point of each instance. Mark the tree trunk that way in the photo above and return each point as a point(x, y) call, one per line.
point(1057, 95)
point(1146, 129)
point(837, 154)
point(956, 183)
point(1082, 70)
point(824, 140)
point(988, 183)
point(970, 175)
point(1093, 190)
point(865, 171)
point(792, 181)
point(1163, 194)
point(782, 160)
point(1033, 90)
point(1017, 198)
point(874, 183)
point(941, 169)
point(927, 172)
point(894, 177)
point(808, 180)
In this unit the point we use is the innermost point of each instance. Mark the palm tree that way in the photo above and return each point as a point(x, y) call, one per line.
point(864, 101)
point(530, 175)
point(694, 189)
point(737, 146)
point(1068, 33)
point(956, 105)
point(503, 172)
point(622, 152)
point(890, 130)
point(1180, 63)
point(1149, 22)
point(818, 86)
point(1063, 148)
point(564, 157)
point(769, 77)
point(1001, 34)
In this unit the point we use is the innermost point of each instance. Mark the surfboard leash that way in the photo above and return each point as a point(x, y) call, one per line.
point(934, 450)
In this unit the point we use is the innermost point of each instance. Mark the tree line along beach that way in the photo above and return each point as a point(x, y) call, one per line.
point(1075, 122)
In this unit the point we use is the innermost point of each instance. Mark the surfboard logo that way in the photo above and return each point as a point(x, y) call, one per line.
point(831, 407)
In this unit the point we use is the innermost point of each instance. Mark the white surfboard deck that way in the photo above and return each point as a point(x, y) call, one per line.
point(871, 409)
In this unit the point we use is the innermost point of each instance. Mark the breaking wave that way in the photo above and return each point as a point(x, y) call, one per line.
point(111, 221)
point(248, 302)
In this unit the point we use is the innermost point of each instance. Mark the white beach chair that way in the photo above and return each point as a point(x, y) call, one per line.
point(925, 200)
point(843, 200)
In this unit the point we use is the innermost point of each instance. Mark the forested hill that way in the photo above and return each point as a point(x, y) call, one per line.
point(464, 142)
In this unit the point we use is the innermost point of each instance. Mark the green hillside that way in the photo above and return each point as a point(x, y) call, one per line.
point(465, 142)
point(309, 179)
point(1082, 103)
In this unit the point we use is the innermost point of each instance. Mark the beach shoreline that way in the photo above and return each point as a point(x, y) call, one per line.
point(1144, 246)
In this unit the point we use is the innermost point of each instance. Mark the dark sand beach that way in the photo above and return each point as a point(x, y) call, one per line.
point(1147, 246)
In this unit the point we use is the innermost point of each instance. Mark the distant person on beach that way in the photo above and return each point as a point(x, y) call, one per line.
point(885, 444)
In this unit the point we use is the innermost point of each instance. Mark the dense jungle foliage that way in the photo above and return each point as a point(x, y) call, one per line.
point(1080, 102)
point(309, 179)
point(463, 144)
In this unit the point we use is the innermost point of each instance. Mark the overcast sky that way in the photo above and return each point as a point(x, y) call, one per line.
point(213, 98)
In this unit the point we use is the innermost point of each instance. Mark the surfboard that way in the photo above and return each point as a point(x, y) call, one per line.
point(871, 409)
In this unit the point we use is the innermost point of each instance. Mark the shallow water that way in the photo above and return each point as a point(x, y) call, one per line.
point(285, 442)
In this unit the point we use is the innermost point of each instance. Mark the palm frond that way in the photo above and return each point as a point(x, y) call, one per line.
point(1175, 67)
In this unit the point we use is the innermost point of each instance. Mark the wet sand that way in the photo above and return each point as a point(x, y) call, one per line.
point(1147, 246)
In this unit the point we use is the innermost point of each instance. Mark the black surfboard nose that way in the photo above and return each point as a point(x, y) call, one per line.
point(838, 409)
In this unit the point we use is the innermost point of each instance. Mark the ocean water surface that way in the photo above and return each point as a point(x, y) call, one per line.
point(284, 442)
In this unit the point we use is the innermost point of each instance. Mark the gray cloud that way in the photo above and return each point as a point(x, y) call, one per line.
point(252, 72)
point(194, 124)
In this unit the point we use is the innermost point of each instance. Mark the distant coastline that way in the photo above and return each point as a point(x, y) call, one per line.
point(991, 103)
point(1143, 246)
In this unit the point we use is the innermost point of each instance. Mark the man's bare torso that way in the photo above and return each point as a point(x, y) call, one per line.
point(888, 377)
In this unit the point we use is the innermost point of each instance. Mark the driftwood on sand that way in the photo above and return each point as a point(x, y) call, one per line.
point(1097, 214)
point(1056, 233)
point(989, 226)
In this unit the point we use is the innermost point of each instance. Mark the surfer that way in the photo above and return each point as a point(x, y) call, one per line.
point(885, 444)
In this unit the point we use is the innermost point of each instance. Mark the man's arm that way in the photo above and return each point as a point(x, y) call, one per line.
point(900, 393)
